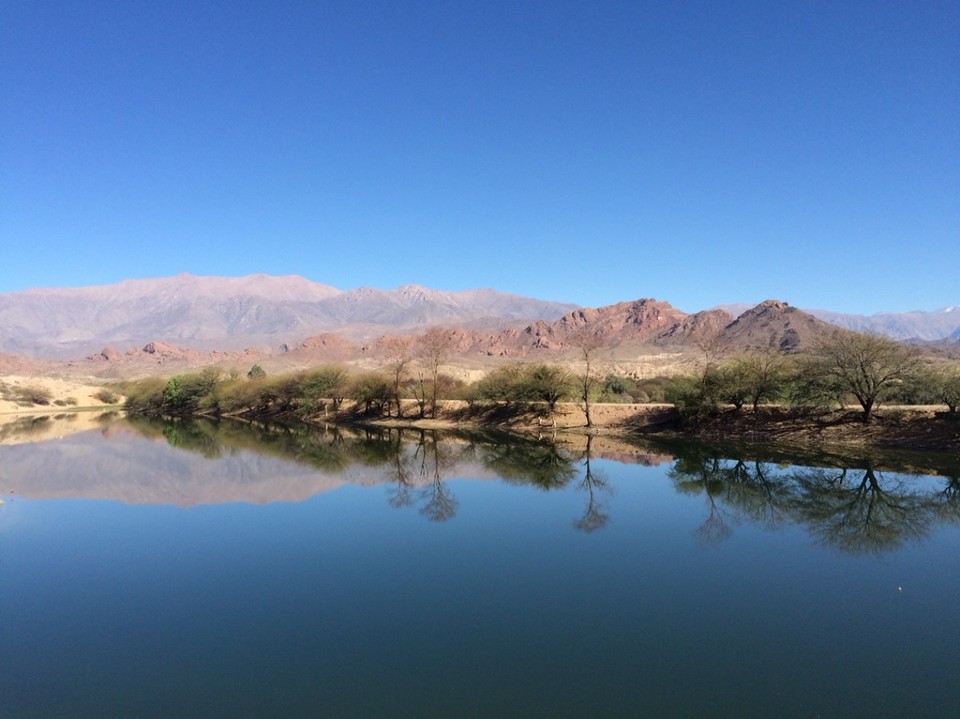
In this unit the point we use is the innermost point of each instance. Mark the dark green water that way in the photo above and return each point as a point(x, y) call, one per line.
point(211, 570)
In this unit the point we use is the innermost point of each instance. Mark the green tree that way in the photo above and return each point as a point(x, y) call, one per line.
point(869, 367)
point(547, 383)
point(505, 384)
point(372, 390)
point(946, 386)
point(330, 382)
point(183, 393)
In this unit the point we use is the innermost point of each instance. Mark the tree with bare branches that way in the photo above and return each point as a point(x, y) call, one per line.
point(398, 353)
point(588, 342)
point(435, 345)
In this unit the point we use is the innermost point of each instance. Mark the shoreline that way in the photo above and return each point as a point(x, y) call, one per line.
point(918, 428)
point(914, 428)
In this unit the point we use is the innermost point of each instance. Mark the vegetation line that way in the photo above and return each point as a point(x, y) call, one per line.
point(807, 393)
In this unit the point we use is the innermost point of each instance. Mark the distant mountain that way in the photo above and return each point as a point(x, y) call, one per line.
point(925, 326)
point(188, 320)
point(644, 323)
point(916, 325)
point(234, 312)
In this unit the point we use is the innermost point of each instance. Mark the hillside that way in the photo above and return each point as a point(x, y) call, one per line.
point(629, 334)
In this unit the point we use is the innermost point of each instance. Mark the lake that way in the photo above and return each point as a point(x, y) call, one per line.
point(219, 569)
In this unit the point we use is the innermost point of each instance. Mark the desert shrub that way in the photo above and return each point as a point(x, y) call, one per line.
point(33, 395)
point(330, 382)
point(236, 396)
point(505, 384)
point(107, 396)
point(372, 390)
point(695, 397)
point(949, 389)
point(145, 396)
point(617, 388)
point(184, 393)
point(449, 387)
point(653, 388)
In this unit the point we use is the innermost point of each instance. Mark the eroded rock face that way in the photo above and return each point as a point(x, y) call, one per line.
point(774, 324)
point(645, 323)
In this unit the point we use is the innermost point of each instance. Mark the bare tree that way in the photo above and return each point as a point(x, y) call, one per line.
point(588, 342)
point(399, 353)
point(435, 346)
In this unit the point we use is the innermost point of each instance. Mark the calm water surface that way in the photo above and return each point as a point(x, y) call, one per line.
point(216, 570)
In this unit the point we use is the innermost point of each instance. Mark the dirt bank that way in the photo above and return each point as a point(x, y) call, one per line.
point(914, 428)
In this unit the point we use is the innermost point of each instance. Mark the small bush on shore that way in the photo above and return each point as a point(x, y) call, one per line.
point(33, 395)
point(107, 396)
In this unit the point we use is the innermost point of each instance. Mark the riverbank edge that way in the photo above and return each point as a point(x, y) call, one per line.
point(928, 429)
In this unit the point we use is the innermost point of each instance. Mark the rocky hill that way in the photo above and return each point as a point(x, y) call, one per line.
point(642, 325)
point(918, 325)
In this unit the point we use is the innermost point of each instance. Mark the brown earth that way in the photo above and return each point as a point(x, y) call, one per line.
point(926, 428)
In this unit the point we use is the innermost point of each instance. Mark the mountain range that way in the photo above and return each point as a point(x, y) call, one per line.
point(916, 325)
point(232, 313)
point(218, 318)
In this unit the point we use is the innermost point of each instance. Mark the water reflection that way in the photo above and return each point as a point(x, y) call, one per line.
point(595, 484)
point(866, 504)
point(856, 508)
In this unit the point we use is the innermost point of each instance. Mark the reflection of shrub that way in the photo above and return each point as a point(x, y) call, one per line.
point(34, 395)
point(107, 396)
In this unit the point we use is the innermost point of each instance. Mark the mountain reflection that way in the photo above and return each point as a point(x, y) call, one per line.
point(862, 505)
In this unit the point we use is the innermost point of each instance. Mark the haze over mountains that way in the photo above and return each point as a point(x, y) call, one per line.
point(232, 313)
point(301, 316)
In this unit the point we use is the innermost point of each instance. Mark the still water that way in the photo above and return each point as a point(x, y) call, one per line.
point(197, 569)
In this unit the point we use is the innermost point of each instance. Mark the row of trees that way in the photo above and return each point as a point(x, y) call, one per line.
point(382, 392)
point(846, 367)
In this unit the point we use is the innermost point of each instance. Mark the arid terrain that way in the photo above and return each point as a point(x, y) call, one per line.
point(184, 324)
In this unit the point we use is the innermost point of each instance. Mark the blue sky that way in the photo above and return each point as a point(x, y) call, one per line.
point(591, 152)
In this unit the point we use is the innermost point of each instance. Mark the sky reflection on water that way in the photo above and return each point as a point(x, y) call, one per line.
point(468, 578)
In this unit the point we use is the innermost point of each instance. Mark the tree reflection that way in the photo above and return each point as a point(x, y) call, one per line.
point(537, 462)
point(851, 509)
point(755, 494)
point(946, 503)
point(694, 474)
point(859, 507)
point(402, 494)
point(854, 510)
point(439, 502)
point(595, 484)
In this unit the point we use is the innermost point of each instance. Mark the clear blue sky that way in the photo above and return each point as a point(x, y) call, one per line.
point(592, 152)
